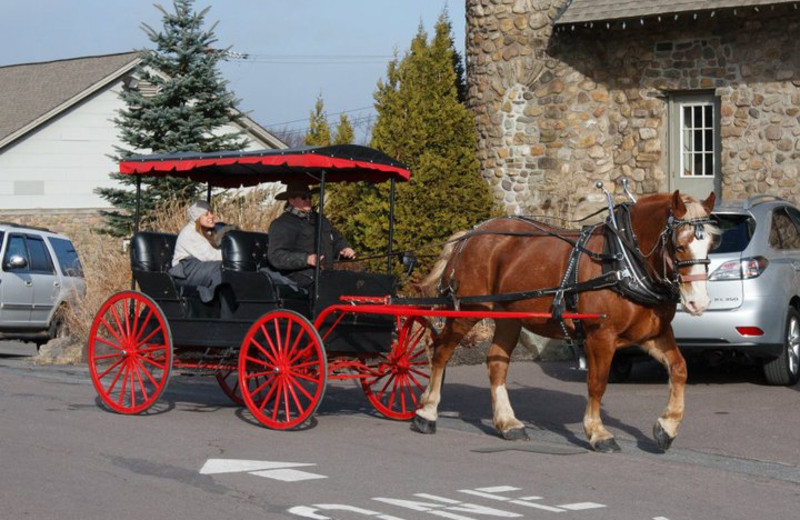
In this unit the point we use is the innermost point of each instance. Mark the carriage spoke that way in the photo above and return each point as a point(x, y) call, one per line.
point(113, 333)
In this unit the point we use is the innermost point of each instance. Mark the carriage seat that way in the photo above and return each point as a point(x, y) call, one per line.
point(246, 268)
point(151, 257)
point(244, 251)
point(152, 252)
point(244, 265)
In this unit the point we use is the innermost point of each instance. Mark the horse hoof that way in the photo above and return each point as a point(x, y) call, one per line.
point(607, 446)
point(515, 434)
point(422, 425)
point(663, 440)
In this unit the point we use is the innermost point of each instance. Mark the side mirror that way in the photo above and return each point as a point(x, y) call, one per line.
point(16, 262)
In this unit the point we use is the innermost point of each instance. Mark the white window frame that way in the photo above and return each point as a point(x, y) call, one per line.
point(695, 137)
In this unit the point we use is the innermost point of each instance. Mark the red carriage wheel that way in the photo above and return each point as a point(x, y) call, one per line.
point(282, 370)
point(395, 381)
point(229, 382)
point(130, 352)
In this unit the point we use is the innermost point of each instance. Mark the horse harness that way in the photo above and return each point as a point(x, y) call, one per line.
point(625, 268)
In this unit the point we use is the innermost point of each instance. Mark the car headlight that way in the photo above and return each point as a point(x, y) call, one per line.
point(743, 269)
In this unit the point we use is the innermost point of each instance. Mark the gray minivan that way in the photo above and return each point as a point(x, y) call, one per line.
point(40, 275)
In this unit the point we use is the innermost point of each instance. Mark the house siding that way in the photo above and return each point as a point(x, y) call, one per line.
point(60, 164)
point(68, 157)
point(557, 111)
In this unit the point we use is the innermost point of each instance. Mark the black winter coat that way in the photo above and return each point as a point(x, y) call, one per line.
point(291, 239)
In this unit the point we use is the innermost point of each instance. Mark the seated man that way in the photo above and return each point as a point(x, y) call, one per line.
point(292, 237)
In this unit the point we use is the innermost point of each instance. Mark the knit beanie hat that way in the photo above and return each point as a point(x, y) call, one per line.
point(197, 209)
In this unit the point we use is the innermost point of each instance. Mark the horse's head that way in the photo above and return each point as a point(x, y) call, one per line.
point(674, 234)
point(690, 235)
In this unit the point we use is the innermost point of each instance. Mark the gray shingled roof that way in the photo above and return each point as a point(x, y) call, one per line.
point(580, 11)
point(30, 93)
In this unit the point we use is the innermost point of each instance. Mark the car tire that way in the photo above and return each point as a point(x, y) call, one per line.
point(58, 325)
point(785, 369)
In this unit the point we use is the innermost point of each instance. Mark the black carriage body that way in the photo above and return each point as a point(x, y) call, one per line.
point(251, 293)
point(354, 333)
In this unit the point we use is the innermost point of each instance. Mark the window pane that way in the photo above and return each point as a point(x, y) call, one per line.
point(40, 257)
point(698, 140)
point(67, 257)
point(698, 164)
point(16, 247)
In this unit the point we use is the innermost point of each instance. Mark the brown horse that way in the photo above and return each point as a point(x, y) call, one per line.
point(670, 240)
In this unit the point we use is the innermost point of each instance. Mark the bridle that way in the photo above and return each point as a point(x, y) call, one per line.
point(669, 237)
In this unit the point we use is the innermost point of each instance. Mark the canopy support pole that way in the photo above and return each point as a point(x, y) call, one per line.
point(136, 217)
point(391, 227)
point(318, 246)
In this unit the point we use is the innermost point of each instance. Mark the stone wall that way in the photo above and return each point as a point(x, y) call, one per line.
point(558, 110)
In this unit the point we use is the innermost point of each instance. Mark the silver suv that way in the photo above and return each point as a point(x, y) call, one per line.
point(754, 284)
point(40, 274)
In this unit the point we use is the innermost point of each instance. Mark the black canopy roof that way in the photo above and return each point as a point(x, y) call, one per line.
point(247, 168)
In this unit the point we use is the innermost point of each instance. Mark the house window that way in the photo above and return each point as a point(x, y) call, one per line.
point(694, 142)
point(697, 139)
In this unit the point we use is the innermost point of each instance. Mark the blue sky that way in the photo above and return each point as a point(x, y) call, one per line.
point(297, 49)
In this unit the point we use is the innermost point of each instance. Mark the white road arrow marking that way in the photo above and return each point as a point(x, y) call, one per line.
point(260, 468)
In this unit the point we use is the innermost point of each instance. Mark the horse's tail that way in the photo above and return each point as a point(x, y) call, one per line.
point(431, 285)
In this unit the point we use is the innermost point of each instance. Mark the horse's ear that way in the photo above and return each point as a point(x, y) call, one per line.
point(678, 207)
point(708, 204)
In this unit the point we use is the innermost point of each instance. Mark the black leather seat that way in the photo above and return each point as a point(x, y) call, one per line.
point(151, 257)
point(244, 265)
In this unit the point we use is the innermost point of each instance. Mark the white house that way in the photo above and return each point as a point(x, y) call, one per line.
point(57, 132)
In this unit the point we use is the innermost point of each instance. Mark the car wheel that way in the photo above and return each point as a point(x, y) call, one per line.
point(58, 325)
point(785, 369)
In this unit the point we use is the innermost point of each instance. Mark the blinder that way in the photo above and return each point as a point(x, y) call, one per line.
point(673, 225)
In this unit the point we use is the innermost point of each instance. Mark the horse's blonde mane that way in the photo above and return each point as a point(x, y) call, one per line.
point(431, 285)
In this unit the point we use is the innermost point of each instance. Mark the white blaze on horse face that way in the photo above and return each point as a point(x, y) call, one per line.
point(694, 295)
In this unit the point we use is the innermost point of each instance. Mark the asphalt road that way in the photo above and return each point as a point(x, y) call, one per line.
point(198, 456)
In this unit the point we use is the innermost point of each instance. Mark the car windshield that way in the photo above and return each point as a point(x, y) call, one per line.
point(737, 230)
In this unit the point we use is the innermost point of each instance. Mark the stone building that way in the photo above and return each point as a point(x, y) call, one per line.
point(677, 94)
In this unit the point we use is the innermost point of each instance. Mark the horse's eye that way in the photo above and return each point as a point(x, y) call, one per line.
point(680, 249)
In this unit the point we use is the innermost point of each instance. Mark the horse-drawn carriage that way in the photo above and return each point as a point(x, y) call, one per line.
point(274, 348)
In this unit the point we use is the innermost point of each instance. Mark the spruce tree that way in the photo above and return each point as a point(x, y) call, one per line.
point(423, 123)
point(183, 108)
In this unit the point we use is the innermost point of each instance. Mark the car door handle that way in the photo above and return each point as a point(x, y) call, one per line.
point(28, 283)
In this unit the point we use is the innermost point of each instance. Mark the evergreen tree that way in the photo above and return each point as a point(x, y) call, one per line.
point(183, 108)
point(422, 123)
point(344, 131)
point(319, 132)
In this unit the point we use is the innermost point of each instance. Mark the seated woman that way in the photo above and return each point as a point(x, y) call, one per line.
point(196, 260)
